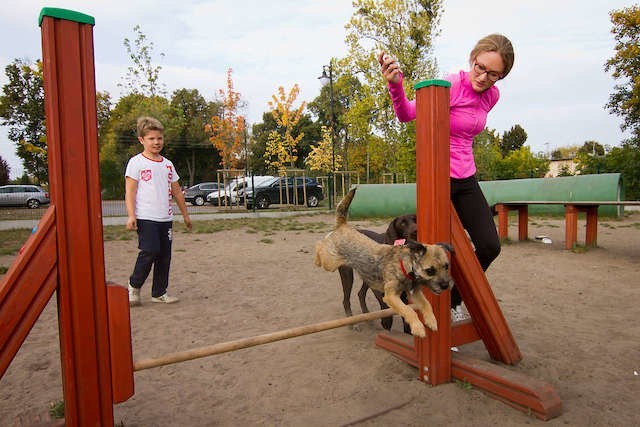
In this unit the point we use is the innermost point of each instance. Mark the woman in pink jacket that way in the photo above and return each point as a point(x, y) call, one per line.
point(472, 95)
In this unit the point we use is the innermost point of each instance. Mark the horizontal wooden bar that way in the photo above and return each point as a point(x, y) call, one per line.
point(225, 347)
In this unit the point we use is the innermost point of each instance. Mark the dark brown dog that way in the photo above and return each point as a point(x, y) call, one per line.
point(402, 227)
point(386, 268)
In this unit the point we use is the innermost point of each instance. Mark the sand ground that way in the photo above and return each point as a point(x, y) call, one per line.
point(573, 315)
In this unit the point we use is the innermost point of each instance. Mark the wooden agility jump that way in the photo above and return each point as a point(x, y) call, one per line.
point(67, 254)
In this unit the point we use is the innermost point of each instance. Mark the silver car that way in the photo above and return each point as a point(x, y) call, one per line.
point(31, 196)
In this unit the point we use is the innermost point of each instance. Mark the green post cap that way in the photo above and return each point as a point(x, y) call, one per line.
point(425, 83)
point(69, 15)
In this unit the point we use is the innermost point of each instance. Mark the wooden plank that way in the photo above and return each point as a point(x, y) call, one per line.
point(70, 109)
point(480, 300)
point(517, 390)
point(27, 288)
point(122, 382)
point(434, 219)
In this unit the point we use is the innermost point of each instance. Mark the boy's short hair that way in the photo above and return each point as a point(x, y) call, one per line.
point(146, 124)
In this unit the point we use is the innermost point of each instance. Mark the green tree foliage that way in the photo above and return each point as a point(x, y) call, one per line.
point(351, 125)
point(22, 111)
point(143, 77)
point(5, 171)
point(624, 160)
point(486, 151)
point(513, 140)
point(188, 146)
point(120, 141)
point(103, 109)
point(592, 147)
point(404, 29)
point(261, 132)
point(625, 67)
point(492, 165)
point(521, 163)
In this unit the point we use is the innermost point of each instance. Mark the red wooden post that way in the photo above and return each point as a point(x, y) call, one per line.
point(503, 221)
point(571, 226)
point(70, 108)
point(591, 238)
point(523, 222)
point(433, 216)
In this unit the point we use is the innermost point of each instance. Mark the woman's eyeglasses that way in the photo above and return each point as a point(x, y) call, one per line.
point(494, 76)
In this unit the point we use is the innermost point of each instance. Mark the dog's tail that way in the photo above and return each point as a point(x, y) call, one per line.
point(343, 207)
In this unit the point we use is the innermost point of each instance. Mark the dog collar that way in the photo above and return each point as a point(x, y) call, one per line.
point(411, 276)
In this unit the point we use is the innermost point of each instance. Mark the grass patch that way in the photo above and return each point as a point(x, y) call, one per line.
point(267, 241)
point(464, 384)
point(12, 240)
point(3, 269)
point(56, 409)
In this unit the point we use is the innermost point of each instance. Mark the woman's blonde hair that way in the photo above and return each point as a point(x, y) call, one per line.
point(495, 43)
point(146, 124)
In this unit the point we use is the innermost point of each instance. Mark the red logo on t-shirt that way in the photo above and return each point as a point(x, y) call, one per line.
point(145, 175)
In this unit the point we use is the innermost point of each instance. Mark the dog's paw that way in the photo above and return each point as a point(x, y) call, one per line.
point(431, 322)
point(418, 330)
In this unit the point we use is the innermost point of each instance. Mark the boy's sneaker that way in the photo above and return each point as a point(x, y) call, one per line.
point(134, 296)
point(165, 299)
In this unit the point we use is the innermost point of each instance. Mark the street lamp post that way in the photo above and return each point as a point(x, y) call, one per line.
point(324, 79)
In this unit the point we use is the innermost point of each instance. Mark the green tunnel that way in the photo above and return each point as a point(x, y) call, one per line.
point(390, 200)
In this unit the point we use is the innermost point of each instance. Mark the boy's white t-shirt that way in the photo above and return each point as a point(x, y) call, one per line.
point(153, 198)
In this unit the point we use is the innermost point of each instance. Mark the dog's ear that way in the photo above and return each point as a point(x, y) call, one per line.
point(447, 247)
point(392, 231)
point(416, 247)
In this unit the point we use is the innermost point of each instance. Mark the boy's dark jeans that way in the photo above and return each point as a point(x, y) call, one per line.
point(154, 242)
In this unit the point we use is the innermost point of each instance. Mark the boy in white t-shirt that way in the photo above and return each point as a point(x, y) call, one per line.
point(151, 180)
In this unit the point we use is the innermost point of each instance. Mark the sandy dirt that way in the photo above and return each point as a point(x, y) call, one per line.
point(573, 315)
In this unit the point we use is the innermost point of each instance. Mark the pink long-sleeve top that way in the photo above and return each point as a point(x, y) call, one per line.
point(468, 117)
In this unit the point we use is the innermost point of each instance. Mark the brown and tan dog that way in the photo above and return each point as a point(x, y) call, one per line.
point(386, 268)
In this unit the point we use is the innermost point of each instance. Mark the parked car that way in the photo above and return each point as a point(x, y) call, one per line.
point(233, 193)
point(31, 196)
point(197, 194)
point(276, 192)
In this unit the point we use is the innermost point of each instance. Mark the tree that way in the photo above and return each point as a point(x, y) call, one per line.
point(512, 140)
point(5, 171)
point(142, 76)
point(321, 157)
point(22, 111)
point(404, 29)
point(187, 145)
point(486, 152)
point(119, 142)
point(522, 163)
point(624, 160)
point(281, 150)
point(625, 66)
point(593, 148)
point(227, 129)
point(311, 134)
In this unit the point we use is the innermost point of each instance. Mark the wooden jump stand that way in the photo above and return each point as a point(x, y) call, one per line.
point(438, 222)
point(66, 253)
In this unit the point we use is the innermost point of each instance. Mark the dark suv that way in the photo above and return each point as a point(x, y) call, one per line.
point(279, 190)
point(197, 194)
point(31, 196)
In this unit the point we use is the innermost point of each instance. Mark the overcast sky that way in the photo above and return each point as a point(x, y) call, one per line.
point(556, 91)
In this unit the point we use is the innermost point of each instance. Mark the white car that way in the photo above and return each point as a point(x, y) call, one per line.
point(233, 192)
